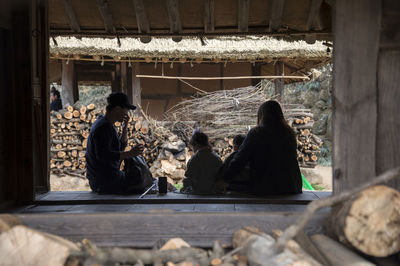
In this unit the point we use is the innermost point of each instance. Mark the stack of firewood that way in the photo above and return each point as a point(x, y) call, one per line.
point(70, 131)
point(308, 144)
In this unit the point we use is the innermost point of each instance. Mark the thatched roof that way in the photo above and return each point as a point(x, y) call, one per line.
point(241, 48)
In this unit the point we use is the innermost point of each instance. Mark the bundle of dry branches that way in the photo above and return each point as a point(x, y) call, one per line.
point(224, 114)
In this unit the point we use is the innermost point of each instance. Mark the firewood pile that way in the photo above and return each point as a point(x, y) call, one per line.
point(70, 131)
point(363, 228)
point(224, 114)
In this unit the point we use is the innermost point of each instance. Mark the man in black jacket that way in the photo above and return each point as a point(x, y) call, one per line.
point(105, 148)
point(55, 100)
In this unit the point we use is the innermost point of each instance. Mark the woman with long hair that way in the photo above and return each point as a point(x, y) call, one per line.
point(270, 149)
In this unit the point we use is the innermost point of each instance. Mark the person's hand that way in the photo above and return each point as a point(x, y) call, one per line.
point(135, 151)
point(125, 121)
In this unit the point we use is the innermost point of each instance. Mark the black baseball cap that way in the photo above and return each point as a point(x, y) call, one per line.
point(119, 99)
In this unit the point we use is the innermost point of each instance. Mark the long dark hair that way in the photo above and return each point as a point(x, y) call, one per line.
point(270, 113)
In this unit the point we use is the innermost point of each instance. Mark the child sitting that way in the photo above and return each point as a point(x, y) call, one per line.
point(202, 168)
point(240, 182)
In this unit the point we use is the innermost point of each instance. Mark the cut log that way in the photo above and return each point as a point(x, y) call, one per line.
point(23, 246)
point(369, 222)
point(91, 106)
point(76, 113)
point(337, 254)
point(145, 127)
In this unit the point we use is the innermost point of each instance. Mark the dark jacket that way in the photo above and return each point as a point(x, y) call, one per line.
point(273, 163)
point(56, 105)
point(103, 154)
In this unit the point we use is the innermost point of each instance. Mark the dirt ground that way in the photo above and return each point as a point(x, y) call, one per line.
point(320, 175)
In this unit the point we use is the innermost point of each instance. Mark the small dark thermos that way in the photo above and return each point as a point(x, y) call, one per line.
point(162, 185)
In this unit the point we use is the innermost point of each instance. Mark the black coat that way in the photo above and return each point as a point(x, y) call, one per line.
point(273, 163)
point(56, 105)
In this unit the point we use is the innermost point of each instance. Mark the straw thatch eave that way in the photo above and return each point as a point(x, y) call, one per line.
point(223, 48)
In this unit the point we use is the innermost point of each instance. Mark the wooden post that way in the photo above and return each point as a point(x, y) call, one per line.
point(388, 124)
point(136, 89)
point(22, 106)
point(124, 83)
point(116, 78)
point(279, 83)
point(356, 44)
point(255, 71)
point(69, 93)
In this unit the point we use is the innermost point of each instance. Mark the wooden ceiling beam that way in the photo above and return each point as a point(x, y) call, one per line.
point(243, 15)
point(72, 18)
point(106, 14)
point(313, 13)
point(209, 19)
point(142, 21)
point(174, 19)
point(275, 14)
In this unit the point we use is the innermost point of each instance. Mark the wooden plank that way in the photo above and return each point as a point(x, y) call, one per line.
point(142, 21)
point(106, 15)
point(275, 14)
point(116, 78)
point(313, 12)
point(357, 24)
point(72, 18)
point(209, 18)
point(22, 86)
point(243, 15)
point(144, 229)
point(174, 18)
point(124, 81)
point(388, 125)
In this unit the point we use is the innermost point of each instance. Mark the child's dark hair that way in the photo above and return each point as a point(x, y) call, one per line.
point(200, 139)
point(238, 140)
point(55, 92)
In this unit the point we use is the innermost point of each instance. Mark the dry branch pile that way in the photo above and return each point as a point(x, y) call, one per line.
point(224, 114)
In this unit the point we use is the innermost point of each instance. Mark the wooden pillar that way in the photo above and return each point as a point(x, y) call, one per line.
point(41, 102)
point(116, 76)
point(20, 113)
point(255, 71)
point(356, 46)
point(69, 93)
point(124, 81)
point(388, 120)
point(136, 88)
point(129, 90)
point(279, 83)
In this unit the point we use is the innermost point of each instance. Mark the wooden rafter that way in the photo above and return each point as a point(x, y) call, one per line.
point(106, 14)
point(243, 15)
point(209, 20)
point(174, 18)
point(275, 14)
point(72, 18)
point(142, 21)
point(312, 14)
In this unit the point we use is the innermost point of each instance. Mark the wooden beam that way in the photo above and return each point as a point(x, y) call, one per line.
point(116, 78)
point(142, 21)
point(357, 24)
point(275, 14)
point(313, 13)
point(124, 84)
point(223, 78)
point(209, 19)
point(72, 18)
point(243, 15)
point(174, 19)
point(106, 14)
